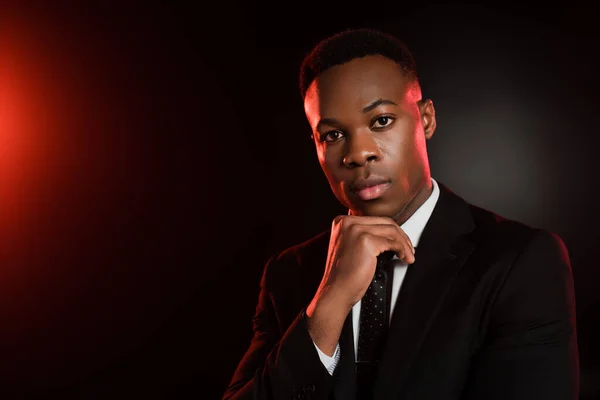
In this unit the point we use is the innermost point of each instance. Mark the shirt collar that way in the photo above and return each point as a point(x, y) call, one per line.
point(414, 226)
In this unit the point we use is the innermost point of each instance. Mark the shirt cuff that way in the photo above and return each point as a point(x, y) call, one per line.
point(329, 362)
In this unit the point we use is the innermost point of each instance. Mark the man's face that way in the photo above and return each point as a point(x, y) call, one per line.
point(368, 121)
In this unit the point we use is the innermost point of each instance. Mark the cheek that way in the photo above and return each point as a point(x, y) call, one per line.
point(322, 157)
point(402, 143)
point(325, 160)
point(405, 148)
point(329, 164)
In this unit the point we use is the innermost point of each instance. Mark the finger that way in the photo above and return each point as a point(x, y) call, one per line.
point(365, 219)
point(385, 238)
point(408, 253)
point(371, 218)
point(391, 231)
point(402, 249)
point(374, 220)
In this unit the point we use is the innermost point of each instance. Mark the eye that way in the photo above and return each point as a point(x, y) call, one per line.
point(330, 134)
point(383, 121)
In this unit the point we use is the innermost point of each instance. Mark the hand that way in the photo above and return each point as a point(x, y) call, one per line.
point(354, 245)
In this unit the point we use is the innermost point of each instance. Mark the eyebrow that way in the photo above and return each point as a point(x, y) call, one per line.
point(327, 121)
point(366, 109)
point(377, 103)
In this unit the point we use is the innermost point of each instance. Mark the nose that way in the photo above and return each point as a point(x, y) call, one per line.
point(360, 149)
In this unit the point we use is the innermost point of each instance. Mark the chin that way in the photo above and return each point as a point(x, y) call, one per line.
point(373, 209)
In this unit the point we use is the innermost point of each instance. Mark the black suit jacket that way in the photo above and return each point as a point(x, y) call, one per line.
point(487, 311)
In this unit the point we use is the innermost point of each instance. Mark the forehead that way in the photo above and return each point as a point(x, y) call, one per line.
point(355, 84)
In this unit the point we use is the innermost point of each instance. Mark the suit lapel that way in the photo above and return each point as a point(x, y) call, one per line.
point(441, 252)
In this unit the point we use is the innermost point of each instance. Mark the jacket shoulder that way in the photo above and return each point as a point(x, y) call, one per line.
point(298, 252)
point(305, 258)
point(491, 225)
point(497, 231)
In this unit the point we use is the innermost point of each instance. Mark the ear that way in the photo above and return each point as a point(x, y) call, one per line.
point(427, 117)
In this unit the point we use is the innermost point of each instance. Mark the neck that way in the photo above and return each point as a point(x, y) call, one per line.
point(414, 204)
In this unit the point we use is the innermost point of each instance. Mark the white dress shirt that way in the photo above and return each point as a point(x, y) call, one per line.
point(413, 227)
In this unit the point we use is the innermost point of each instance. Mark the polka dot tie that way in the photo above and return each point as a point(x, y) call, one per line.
point(373, 323)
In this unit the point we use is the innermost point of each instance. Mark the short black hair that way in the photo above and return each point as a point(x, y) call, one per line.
point(355, 43)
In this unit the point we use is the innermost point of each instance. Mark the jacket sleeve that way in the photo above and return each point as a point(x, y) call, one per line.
point(281, 362)
point(530, 349)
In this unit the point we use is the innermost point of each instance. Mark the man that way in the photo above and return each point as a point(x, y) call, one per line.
point(477, 306)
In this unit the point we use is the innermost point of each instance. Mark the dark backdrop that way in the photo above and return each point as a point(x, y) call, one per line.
point(153, 157)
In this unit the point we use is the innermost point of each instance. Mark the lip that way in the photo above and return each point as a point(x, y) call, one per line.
point(373, 192)
point(362, 183)
point(370, 188)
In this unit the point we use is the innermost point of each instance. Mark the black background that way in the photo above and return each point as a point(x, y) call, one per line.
point(152, 157)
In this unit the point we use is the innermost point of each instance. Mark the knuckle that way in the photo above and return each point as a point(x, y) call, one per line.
point(363, 237)
point(354, 229)
point(395, 232)
point(345, 222)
